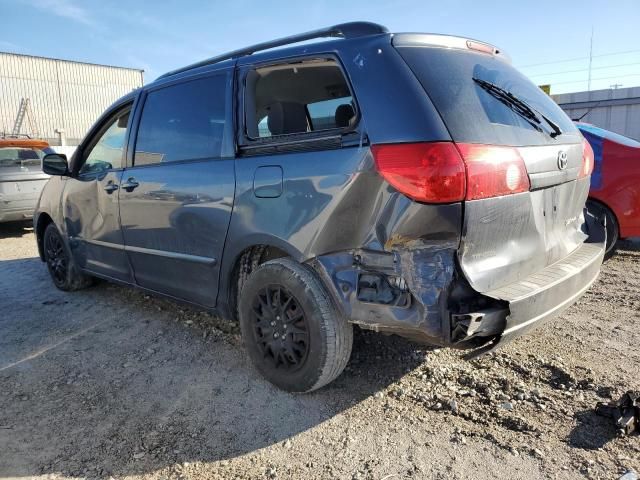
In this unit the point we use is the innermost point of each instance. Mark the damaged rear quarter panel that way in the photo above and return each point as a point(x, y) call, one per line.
point(399, 238)
point(344, 209)
point(427, 269)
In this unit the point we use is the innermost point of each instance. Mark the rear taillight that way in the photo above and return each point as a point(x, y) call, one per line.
point(426, 172)
point(445, 172)
point(493, 171)
point(587, 160)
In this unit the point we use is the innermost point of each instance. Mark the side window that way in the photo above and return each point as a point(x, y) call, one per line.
point(182, 122)
point(294, 98)
point(106, 152)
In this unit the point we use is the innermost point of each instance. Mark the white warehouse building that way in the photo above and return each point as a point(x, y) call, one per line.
point(617, 110)
point(58, 100)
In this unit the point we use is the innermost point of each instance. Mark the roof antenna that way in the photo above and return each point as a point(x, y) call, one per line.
point(586, 113)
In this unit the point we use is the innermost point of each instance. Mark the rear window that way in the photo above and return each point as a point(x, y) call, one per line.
point(471, 113)
point(21, 157)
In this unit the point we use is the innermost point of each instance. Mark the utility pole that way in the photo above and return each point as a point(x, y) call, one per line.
point(590, 60)
point(615, 86)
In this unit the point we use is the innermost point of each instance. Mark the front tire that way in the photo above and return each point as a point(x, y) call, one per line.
point(291, 329)
point(63, 270)
point(613, 231)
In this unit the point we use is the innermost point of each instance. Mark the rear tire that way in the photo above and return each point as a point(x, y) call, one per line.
point(291, 329)
point(63, 270)
point(613, 231)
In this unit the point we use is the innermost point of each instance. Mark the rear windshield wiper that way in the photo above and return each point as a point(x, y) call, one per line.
point(519, 106)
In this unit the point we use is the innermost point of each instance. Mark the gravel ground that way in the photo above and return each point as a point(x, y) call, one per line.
point(109, 382)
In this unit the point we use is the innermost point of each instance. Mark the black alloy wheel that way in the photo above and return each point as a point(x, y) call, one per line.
point(293, 332)
point(280, 328)
point(62, 268)
point(57, 259)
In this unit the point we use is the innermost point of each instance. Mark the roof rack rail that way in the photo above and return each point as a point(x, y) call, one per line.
point(4, 134)
point(343, 30)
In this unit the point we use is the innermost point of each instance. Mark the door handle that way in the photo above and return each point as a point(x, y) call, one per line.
point(130, 184)
point(110, 187)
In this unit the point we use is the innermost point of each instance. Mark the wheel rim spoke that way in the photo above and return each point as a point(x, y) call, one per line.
point(56, 258)
point(280, 328)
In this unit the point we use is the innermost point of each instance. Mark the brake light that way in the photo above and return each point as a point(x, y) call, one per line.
point(481, 47)
point(445, 172)
point(587, 160)
point(426, 172)
point(493, 171)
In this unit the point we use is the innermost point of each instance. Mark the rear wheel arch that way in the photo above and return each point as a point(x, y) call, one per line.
point(244, 263)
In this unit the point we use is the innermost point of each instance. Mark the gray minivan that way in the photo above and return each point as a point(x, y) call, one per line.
point(412, 184)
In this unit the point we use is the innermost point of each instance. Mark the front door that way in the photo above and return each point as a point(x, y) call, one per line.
point(90, 201)
point(176, 197)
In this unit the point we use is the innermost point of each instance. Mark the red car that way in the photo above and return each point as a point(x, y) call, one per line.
point(615, 183)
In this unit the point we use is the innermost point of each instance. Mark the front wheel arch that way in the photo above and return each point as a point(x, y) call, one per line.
point(42, 222)
point(63, 270)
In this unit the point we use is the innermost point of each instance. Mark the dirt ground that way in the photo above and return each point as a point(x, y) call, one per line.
point(109, 382)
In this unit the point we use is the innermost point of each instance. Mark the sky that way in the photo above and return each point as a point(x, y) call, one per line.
point(548, 40)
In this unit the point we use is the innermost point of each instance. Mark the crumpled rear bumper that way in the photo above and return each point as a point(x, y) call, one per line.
point(418, 292)
point(548, 292)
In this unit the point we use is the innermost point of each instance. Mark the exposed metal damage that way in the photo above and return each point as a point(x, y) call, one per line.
point(406, 292)
point(418, 290)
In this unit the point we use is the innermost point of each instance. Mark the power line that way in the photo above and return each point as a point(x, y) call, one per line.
point(578, 58)
point(584, 69)
point(599, 78)
point(590, 59)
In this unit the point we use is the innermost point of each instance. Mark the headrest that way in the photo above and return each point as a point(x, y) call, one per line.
point(286, 117)
point(344, 115)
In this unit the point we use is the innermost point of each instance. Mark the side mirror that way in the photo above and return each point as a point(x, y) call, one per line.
point(55, 164)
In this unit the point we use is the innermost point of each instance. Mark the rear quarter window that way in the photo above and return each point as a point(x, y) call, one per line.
point(303, 97)
point(472, 114)
point(21, 157)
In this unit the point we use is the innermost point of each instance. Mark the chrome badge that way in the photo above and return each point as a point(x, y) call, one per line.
point(562, 160)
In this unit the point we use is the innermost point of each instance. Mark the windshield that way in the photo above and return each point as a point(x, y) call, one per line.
point(458, 82)
point(21, 157)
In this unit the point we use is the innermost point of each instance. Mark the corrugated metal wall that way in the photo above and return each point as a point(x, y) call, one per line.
point(63, 95)
point(615, 110)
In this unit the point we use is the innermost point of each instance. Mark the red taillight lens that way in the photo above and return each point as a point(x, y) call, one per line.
point(426, 172)
point(587, 160)
point(493, 171)
point(445, 172)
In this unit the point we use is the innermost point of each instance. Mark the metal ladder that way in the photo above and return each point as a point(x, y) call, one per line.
point(25, 110)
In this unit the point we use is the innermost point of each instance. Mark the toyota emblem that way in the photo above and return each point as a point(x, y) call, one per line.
point(562, 160)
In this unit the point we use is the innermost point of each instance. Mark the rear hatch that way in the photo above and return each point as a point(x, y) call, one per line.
point(527, 165)
point(21, 175)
